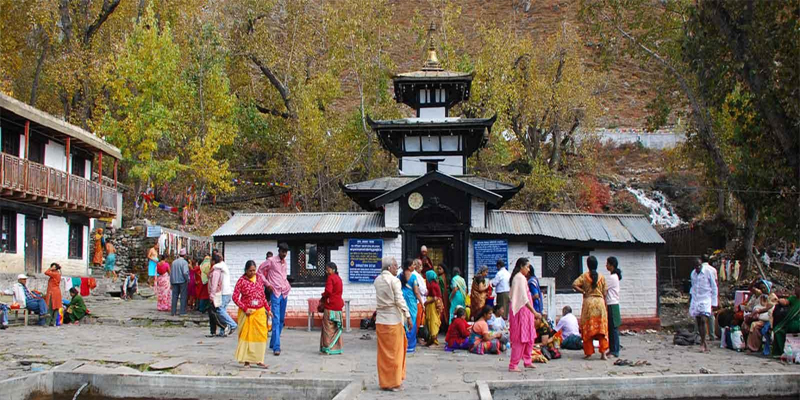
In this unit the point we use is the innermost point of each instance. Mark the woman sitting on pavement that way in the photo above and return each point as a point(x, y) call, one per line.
point(482, 340)
point(790, 323)
point(76, 309)
point(457, 337)
point(762, 315)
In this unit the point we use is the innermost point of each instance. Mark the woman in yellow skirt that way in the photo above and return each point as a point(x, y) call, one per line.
point(253, 309)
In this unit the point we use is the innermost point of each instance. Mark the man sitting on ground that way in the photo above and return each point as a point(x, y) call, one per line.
point(570, 331)
point(28, 300)
point(129, 286)
point(77, 308)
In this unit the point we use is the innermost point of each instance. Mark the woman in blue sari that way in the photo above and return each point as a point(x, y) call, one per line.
point(536, 291)
point(458, 292)
point(411, 294)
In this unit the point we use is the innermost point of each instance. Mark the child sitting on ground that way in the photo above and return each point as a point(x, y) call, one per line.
point(497, 324)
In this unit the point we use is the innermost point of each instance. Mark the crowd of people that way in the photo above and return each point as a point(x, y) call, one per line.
point(495, 315)
point(762, 318)
point(416, 302)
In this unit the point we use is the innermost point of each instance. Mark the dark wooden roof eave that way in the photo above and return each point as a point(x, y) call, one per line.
point(488, 196)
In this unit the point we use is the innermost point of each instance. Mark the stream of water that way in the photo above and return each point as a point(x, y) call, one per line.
point(661, 211)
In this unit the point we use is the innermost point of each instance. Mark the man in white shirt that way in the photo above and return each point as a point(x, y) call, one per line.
point(711, 319)
point(570, 331)
point(391, 313)
point(703, 297)
point(501, 284)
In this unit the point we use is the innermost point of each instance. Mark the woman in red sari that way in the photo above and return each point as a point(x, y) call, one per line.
point(248, 294)
point(163, 288)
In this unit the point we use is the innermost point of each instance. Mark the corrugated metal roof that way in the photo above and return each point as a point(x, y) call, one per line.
point(245, 224)
point(579, 227)
point(393, 182)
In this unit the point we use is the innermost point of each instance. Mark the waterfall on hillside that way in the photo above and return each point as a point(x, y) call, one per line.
point(661, 211)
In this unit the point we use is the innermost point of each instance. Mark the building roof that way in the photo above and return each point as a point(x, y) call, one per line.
point(601, 228)
point(488, 196)
point(433, 75)
point(394, 182)
point(424, 123)
point(58, 126)
point(280, 225)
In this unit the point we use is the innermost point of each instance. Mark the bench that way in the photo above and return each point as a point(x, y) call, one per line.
point(8, 300)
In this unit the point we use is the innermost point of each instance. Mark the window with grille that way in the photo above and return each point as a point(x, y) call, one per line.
point(8, 231)
point(308, 264)
point(565, 266)
point(75, 241)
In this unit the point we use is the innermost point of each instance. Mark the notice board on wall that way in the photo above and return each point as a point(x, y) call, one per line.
point(487, 252)
point(364, 259)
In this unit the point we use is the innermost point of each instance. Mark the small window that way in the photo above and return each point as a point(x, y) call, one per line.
point(8, 231)
point(75, 241)
point(565, 266)
point(424, 96)
point(308, 264)
point(450, 143)
point(430, 143)
point(412, 143)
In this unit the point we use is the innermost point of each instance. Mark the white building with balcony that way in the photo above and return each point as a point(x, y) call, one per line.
point(52, 190)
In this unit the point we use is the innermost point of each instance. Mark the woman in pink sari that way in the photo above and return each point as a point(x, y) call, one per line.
point(522, 331)
point(163, 287)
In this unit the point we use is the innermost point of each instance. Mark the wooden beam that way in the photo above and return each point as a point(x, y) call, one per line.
point(116, 165)
point(100, 175)
point(27, 146)
point(27, 137)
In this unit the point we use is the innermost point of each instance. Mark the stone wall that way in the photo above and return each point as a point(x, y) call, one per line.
point(132, 245)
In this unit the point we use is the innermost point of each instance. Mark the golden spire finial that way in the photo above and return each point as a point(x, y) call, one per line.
point(432, 61)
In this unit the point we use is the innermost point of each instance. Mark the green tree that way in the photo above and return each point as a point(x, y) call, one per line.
point(146, 96)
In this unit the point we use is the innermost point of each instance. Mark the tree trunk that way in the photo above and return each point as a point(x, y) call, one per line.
point(38, 72)
point(555, 156)
point(751, 220)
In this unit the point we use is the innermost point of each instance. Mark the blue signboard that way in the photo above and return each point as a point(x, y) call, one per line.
point(153, 231)
point(364, 259)
point(487, 252)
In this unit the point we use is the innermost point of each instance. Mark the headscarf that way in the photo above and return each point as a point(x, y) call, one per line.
point(459, 284)
point(205, 268)
point(432, 284)
point(519, 293)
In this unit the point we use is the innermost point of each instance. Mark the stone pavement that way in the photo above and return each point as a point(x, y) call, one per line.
point(432, 373)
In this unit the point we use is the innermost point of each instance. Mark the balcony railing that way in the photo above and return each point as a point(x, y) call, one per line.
point(34, 182)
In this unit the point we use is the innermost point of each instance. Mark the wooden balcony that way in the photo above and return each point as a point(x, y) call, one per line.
point(27, 181)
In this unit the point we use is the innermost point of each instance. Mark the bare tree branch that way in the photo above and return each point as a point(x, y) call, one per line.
point(108, 7)
point(700, 113)
point(277, 84)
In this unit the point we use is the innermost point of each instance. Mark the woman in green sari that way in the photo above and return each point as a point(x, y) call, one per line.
point(789, 324)
point(458, 292)
point(76, 309)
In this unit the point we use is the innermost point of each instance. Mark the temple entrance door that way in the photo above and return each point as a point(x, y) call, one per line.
point(443, 248)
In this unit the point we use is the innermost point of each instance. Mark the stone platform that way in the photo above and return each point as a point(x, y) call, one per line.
point(133, 335)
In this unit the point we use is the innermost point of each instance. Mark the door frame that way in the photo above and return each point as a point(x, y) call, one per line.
point(37, 261)
point(414, 237)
